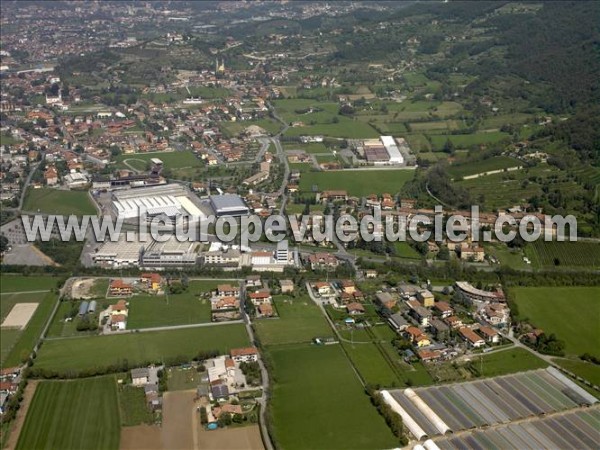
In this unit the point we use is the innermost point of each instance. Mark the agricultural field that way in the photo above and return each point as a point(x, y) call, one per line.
point(404, 250)
point(479, 167)
point(343, 128)
point(19, 283)
point(171, 160)
point(560, 254)
point(73, 415)
point(467, 140)
point(97, 352)
point(191, 306)
point(507, 257)
point(357, 183)
point(133, 407)
point(317, 390)
point(506, 362)
point(312, 147)
point(269, 125)
point(571, 313)
point(17, 344)
point(584, 369)
point(54, 201)
point(504, 190)
point(300, 320)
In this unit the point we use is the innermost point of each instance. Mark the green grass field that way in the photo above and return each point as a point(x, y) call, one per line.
point(485, 165)
point(586, 370)
point(506, 362)
point(357, 183)
point(571, 313)
point(316, 395)
point(300, 320)
point(54, 201)
point(467, 140)
point(10, 336)
point(88, 353)
point(558, 254)
point(17, 344)
point(192, 306)
point(133, 407)
point(18, 283)
point(81, 414)
point(171, 160)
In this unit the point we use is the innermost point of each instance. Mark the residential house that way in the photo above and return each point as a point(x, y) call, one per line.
point(453, 322)
point(253, 281)
point(140, 377)
point(220, 303)
point(265, 310)
point(440, 330)
point(323, 261)
point(260, 298)
point(151, 280)
point(348, 286)
point(120, 288)
point(118, 322)
point(226, 409)
point(51, 176)
point(247, 354)
point(322, 288)
point(386, 300)
point(419, 313)
point(355, 308)
point(287, 286)
point(398, 322)
point(417, 337)
point(472, 338)
point(490, 335)
point(444, 309)
point(429, 355)
point(119, 308)
point(227, 290)
point(426, 298)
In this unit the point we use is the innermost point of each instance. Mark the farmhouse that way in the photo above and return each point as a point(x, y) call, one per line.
point(247, 354)
point(119, 308)
point(140, 377)
point(330, 196)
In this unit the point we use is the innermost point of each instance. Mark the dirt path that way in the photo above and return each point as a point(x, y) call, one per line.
point(17, 424)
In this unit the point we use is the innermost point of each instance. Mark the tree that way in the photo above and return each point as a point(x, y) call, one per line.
point(3, 243)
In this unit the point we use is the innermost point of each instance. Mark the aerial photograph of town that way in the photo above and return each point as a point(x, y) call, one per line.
point(299, 225)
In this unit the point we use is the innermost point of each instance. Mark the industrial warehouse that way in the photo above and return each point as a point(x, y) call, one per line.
point(492, 404)
point(169, 200)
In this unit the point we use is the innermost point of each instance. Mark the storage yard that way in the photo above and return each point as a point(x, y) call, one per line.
point(443, 410)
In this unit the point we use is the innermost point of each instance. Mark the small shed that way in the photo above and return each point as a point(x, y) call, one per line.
point(83, 308)
point(92, 307)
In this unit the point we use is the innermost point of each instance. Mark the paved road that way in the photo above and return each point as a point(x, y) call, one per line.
point(264, 373)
